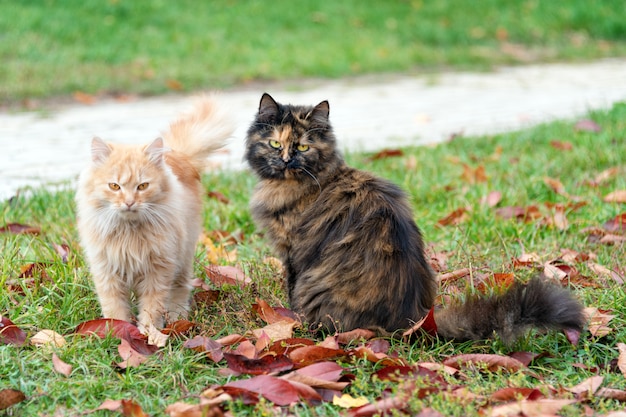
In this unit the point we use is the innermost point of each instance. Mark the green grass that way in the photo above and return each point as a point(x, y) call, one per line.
point(432, 177)
point(53, 48)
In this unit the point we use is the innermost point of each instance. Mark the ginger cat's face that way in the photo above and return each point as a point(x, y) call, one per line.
point(127, 181)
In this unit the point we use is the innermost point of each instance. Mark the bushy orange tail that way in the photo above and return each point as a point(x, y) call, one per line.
point(200, 132)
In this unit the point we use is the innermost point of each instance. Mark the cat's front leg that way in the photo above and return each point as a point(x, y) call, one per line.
point(153, 294)
point(114, 295)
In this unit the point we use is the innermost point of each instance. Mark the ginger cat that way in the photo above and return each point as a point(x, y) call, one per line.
point(139, 216)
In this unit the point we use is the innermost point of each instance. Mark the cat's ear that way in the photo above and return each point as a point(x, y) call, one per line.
point(155, 151)
point(320, 112)
point(268, 108)
point(100, 151)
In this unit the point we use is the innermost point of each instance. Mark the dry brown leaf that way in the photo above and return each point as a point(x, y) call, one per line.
point(476, 360)
point(614, 394)
point(456, 217)
point(60, 366)
point(539, 408)
point(561, 145)
point(277, 331)
point(605, 175)
point(474, 175)
point(84, 98)
point(598, 321)
point(587, 388)
point(618, 196)
point(454, 275)
point(131, 358)
point(10, 397)
point(47, 338)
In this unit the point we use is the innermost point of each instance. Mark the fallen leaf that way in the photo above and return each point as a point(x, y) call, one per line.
point(268, 313)
point(206, 298)
point(604, 176)
point(62, 250)
point(561, 145)
point(173, 84)
point(386, 153)
point(514, 394)
point(277, 390)
point(311, 380)
point(383, 406)
point(492, 199)
point(10, 333)
point(427, 324)
point(455, 218)
point(308, 355)
point(203, 344)
point(474, 175)
point(345, 338)
point(587, 125)
point(221, 275)
point(120, 329)
point(194, 410)
point(60, 366)
point(17, 228)
point(477, 360)
point(348, 401)
point(614, 394)
point(178, 328)
point(617, 224)
point(528, 408)
point(261, 366)
point(10, 397)
point(618, 196)
point(215, 195)
point(587, 388)
point(598, 321)
point(130, 357)
point(47, 337)
point(131, 409)
point(277, 331)
point(454, 275)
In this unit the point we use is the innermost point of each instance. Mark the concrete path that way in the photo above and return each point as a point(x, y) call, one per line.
point(367, 113)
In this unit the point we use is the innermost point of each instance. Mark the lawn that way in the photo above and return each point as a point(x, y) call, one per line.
point(491, 208)
point(57, 48)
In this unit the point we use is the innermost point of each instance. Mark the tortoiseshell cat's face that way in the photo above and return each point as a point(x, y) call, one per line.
point(290, 142)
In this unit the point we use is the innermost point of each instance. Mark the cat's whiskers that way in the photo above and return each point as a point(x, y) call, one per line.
point(312, 176)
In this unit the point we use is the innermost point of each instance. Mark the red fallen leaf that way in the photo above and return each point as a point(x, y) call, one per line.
point(84, 98)
point(354, 335)
point(246, 349)
point(231, 339)
point(17, 228)
point(616, 224)
point(368, 354)
point(493, 362)
point(267, 313)
point(120, 329)
point(277, 390)
point(206, 298)
point(131, 409)
point(181, 409)
point(246, 396)
point(384, 406)
point(10, 397)
point(232, 275)
point(427, 324)
point(618, 196)
point(265, 365)
point(524, 357)
point(308, 355)
point(500, 281)
point(514, 394)
point(561, 145)
point(130, 357)
point(216, 195)
point(285, 346)
point(572, 335)
point(179, 328)
point(10, 333)
point(525, 214)
point(456, 217)
point(202, 344)
point(386, 153)
point(379, 345)
point(60, 366)
point(587, 125)
point(323, 375)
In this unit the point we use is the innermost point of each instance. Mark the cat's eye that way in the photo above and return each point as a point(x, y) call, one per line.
point(303, 148)
point(275, 144)
point(114, 186)
point(142, 186)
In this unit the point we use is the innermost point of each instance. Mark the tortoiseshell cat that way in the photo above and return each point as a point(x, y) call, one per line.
point(353, 255)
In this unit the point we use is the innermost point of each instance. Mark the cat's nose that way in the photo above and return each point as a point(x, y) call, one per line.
point(129, 204)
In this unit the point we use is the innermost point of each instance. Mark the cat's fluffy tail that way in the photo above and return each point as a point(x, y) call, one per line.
point(537, 304)
point(200, 132)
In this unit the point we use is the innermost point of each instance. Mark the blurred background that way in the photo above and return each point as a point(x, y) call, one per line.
point(120, 48)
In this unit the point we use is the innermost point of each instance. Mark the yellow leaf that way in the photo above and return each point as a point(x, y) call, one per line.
point(346, 401)
point(618, 196)
point(47, 337)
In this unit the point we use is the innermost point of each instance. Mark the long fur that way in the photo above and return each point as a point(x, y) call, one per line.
point(139, 216)
point(353, 255)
